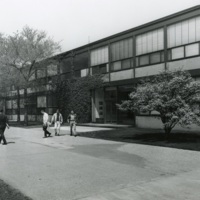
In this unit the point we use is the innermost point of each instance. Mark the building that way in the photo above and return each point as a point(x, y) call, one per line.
point(171, 42)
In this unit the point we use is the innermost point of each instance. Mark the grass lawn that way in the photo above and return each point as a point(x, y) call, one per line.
point(9, 193)
point(180, 140)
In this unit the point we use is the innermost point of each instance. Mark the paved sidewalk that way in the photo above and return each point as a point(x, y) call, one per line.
point(69, 168)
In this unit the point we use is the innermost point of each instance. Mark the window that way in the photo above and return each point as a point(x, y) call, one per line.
point(52, 101)
point(192, 50)
point(122, 49)
point(120, 65)
point(99, 56)
point(65, 65)
point(177, 53)
point(77, 73)
point(81, 60)
point(41, 101)
point(116, 66)
point(148, 59)
point(102, 69)
point(155, 58)
point(126, 64)
point(185, 32)
point(84, 72)
point(150, 42)
point(144, 60)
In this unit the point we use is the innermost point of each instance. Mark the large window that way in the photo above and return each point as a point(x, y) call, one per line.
point(122, 49)
point(149, 48)
point(150, 42)
point(99, 56)
point(81, 60)
point(184, 32)
point(65, 65)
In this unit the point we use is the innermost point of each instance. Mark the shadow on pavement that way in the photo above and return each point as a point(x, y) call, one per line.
point(179, 140)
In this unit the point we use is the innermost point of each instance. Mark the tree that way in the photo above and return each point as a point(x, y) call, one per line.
point(21, 54)
point(173, 94)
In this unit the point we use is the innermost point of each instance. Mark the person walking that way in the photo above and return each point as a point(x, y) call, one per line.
point(3, 125)
point(72, 120)
point(57, 119)
point(45, 124)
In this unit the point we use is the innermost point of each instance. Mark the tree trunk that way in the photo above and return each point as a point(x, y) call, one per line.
point(18, 106)
point(25, 107)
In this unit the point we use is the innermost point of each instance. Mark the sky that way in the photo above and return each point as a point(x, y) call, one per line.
point(74, 23)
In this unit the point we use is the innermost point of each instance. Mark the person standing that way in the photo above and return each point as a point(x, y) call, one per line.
point(57, 119)
point(45, 124)
point(3, 125)
point(72, 118)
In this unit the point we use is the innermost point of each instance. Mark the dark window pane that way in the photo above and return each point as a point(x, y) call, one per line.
point(116, 66)
point(162, 56)
point(137, 61)
point(77, 73)
point(95, 70)
point(126, 64)
point(144, 60)
point(169, 55)
point(155, 58)
point(102, 69)
point(81, 60)
point(65, 65)
point(52, 101)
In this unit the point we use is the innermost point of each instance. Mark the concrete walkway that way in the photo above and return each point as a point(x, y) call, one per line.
point(69, 168)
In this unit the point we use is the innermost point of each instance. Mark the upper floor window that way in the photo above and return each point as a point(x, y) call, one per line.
point(122, 49)
point(99, 56)
point(185, 32)
point(150, 42)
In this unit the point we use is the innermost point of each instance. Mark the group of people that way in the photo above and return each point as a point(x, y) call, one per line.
point(57, 120)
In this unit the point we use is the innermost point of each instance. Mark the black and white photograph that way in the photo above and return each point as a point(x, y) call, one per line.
point(100, 100)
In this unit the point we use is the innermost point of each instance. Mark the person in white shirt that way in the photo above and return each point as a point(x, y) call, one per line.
point(45, 124)
point(57, 119)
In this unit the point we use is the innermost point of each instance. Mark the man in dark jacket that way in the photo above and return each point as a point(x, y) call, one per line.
point(3, 125)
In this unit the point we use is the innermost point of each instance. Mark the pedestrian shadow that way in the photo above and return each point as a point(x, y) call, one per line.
point(10, 142)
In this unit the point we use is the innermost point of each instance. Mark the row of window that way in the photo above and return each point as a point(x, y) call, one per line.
point(183, 51)
point(30, 111)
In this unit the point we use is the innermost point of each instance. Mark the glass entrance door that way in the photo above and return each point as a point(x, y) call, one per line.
point(111, 109)
point(111, 112)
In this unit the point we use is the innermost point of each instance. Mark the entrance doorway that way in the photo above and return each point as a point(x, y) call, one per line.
point(111, 109)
